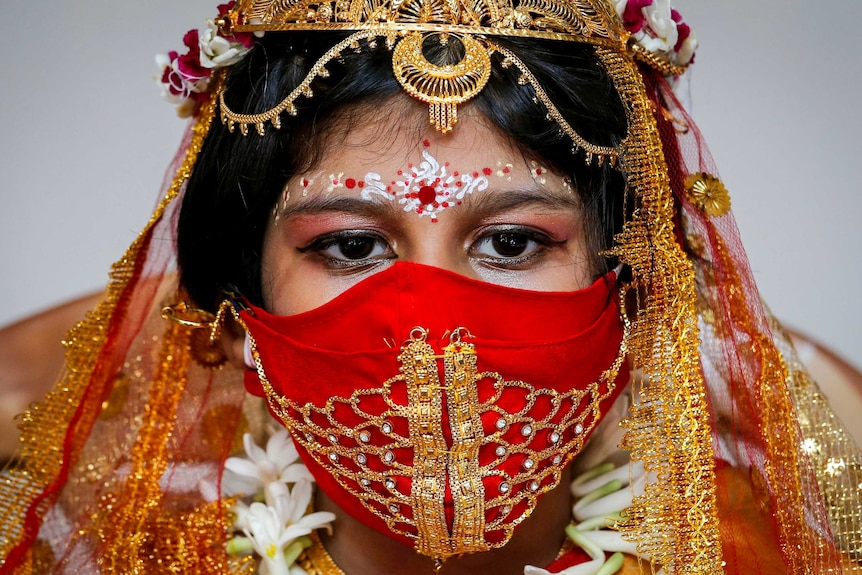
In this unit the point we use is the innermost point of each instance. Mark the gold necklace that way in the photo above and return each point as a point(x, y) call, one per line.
point(316, 560)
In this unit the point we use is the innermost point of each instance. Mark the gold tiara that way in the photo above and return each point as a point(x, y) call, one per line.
point(574, 20)
point(406, 25)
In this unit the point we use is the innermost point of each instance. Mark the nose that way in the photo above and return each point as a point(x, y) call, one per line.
point(437, 244)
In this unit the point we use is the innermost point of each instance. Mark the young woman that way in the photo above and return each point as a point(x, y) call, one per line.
point(455, 247)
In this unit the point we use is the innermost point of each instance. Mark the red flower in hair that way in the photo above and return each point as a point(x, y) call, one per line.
point(189, 64)
point(633, 16)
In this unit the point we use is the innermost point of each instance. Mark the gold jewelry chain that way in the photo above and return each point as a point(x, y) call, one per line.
point(316, 560)
point(441, 87)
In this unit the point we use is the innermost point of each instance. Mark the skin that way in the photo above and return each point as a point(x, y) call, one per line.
point(522, 231)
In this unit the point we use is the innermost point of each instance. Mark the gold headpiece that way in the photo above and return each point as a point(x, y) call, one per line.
point(407, 24)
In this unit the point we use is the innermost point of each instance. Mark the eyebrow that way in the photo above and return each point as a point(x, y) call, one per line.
point(500, 201)
point(483, 204)
point(345, 204)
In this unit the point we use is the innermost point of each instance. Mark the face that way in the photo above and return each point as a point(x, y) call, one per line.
point(468, 202)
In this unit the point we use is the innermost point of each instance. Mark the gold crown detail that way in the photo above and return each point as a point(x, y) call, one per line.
point(407, 24)
point(575, 20)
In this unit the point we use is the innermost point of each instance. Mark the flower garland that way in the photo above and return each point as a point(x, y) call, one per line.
point(185, 78)
point(658, 28)
point(274, 492)
point(271, 512)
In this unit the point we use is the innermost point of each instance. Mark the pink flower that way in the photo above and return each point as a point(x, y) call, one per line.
point(633, 16)
point(189, 64)
point(185, 77)
point(658, 28)
point(683, 31)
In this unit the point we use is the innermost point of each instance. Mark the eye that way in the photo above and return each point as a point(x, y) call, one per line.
point(510, 246)
point(355, 248)
point(350, 248)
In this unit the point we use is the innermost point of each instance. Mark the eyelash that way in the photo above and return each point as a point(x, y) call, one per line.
point(543, 241)
point(319, 246)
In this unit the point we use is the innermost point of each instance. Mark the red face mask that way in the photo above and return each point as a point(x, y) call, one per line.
point(446, 441)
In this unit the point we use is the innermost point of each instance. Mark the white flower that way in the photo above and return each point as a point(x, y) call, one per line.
point(164, 62)
point(602, 493)
point(272, 527)
point(216, 51)
point(662, 25)
point(280, 462)
point(687, 50)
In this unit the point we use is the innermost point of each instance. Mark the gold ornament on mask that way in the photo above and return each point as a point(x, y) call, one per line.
point(376, 473)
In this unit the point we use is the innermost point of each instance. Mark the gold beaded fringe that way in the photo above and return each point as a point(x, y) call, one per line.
point(675, 521)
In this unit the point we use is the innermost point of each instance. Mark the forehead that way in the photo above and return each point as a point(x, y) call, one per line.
point(401, 140)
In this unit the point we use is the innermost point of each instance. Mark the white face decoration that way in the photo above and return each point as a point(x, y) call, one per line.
point(426, 189)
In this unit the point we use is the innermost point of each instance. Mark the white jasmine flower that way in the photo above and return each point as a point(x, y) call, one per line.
point(279, 462)
point(602, 494)
point(273, 527)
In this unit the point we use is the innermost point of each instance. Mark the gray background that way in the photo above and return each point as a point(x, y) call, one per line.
point(84, 140)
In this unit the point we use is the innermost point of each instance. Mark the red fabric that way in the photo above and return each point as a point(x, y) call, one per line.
point(575, 556)
point(551, 340)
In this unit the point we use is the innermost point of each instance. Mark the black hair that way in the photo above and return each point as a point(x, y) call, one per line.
point(237, 179)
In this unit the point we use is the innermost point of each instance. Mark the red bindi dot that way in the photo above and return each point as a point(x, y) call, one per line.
point(475, 174)
point(486, 171)
point(445, 204)
point(427, 194)
point(455, 173)
point(350, 183)
point(538, 171)
point(506, 170)
point(459, 184)
point(426, 143)
point(304, 183)
point(400, 172)
point(361, 184)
